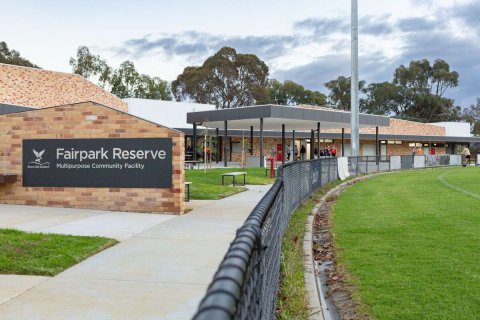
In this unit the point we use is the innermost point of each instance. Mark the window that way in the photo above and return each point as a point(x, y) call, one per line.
point(395, 142)
point(438, 145)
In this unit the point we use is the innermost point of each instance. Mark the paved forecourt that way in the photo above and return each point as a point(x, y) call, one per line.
point(160, 270)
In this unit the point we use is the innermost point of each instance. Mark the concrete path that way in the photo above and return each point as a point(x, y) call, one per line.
point(161, 272)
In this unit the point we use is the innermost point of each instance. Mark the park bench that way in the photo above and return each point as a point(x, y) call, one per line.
point(233, 174)
point(267, 171)
point(187, 191)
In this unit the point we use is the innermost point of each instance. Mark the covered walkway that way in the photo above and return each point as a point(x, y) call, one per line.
point(280, 118)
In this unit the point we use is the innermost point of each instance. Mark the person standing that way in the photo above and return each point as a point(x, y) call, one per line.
point(466, 154)
point(302, 152)
point(296, 153)
point(289, 152)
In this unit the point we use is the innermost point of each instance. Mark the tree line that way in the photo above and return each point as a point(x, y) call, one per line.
point(228, 79)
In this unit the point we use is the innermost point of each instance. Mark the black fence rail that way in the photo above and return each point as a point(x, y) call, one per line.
point(246, 282)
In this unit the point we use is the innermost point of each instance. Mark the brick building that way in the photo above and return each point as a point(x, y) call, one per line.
point(45, 108)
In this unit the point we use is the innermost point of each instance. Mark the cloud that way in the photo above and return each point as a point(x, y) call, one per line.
point(321, 28)
point(372, 25)
point(193, 45)
point(418, 24)
point(469, 14)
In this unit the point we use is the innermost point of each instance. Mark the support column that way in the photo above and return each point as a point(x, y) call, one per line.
point(377, 147)
point(194, 141)
point(283, 144)
point(294, 158)
point(262, 164)
point(343, 142)
point(318, 138)
point(312, 144)
point(225, 143)
point(251, 140)
point(217, 146)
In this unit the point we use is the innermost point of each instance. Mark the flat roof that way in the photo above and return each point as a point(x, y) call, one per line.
point(294, 118)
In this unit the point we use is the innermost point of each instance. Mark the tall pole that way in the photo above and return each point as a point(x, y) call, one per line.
point(354, 136)
point(262, 164)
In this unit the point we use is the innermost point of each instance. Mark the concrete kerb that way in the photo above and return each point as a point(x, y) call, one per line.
point(317, 306)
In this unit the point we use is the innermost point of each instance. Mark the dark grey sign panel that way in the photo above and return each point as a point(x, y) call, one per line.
point(98, 163)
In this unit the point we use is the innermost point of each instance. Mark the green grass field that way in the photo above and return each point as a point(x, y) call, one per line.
point(45, 254)
point(411, 243)
point(208, 186)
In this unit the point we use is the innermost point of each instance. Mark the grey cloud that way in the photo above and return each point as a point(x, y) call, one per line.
point(323, 27)
point(375, 25)
point(418, 24)
point(193, 45)
point(313, 75)
point(469, 13)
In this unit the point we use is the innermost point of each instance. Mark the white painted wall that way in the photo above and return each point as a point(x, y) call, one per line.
point(455, 129)
point(171, 114)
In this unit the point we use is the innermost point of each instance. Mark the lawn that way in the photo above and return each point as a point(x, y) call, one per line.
point(45, 254)
point(208, 186)
point(411, 243)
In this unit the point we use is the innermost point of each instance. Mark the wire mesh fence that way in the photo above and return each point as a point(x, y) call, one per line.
point(245, 284)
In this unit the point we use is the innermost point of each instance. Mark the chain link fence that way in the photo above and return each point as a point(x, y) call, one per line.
point(245, 284)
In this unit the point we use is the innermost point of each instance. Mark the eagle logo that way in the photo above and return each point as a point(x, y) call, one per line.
point(38, 159)
point(39, 155)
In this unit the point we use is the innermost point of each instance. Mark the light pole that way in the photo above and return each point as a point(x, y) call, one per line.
point(354, 135)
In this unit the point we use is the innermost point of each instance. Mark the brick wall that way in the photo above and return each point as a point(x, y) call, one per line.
point(38, 88)
point(72, 122)
point(401, 127)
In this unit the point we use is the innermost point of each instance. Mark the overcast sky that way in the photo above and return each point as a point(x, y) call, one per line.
point(304, 40)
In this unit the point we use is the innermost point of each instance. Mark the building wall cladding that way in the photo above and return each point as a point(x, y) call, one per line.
point(401, 127)
point(72, 122)
point(39, 88)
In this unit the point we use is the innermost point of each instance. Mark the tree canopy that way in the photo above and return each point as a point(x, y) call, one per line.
point(8, 56)
point(422, 87)
point(227, 79)
point(290, 93)
point(416, 92)
point(124, 82)
point(340, 96)
point(472, 116)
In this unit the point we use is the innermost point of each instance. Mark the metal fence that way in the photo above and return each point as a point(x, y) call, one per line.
point(245, 284)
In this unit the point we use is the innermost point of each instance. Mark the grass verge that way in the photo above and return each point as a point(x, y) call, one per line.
point(208, 186)
point(410, 243)
point(45, 254)
point(292, 300)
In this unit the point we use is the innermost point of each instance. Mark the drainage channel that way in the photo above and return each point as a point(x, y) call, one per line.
point(329, 310)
